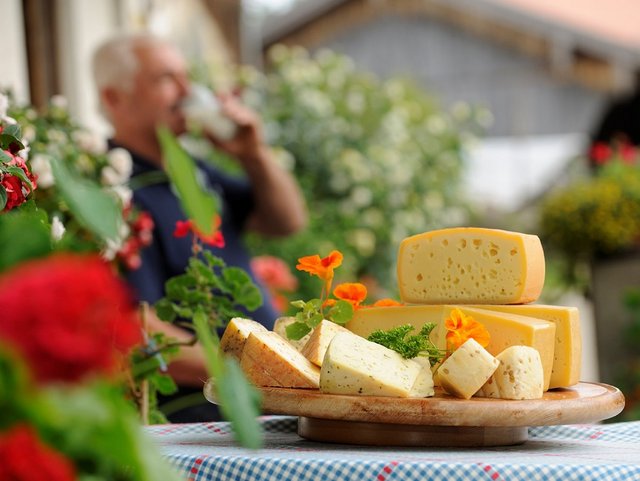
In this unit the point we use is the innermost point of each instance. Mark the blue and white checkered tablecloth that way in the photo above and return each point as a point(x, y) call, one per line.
point(207, 451)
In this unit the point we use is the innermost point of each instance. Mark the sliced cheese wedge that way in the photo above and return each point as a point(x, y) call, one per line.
point(423, 385)
point(466, 369)
point(519, 375)
point(280, 328)
point(267, 356)
point(508, 330)
point(236, 333)
point(567, 353)
point(319, 340)
point(353, 365)
point(470, 265)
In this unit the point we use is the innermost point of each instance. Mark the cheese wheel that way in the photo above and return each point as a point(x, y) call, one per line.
point(319, 340)
point(469, 265)
point(280, 328)
point(355, 366)
point(267, 356)
point(466, 369)
point(236, 333)
point(567, 352)
point(519, 375)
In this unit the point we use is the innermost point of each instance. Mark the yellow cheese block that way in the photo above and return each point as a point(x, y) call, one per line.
point(508, 330)
point(370, 319)
point(236, 333)
point(466, 369)
point(355, 366)
point(519, 375)
point(469, 265)
point(567, 354)
point(319, 340)
point(280, 328)
point(266, 356)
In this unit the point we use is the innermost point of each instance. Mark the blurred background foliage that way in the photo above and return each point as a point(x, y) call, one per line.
point(377, 160)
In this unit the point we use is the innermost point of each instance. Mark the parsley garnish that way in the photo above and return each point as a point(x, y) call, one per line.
point(411, 346)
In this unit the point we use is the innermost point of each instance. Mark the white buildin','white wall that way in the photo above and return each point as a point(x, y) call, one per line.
point(13, 73)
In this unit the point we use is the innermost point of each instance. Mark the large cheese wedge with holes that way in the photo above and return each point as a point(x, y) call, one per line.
point(269, 360)
point(567, 352)
point(469, 265)
point(519, 375)
point(465, 371)
point(236, 333)
point(319, 340)
point(508, 330)
point(280, 328)
point(352, 365)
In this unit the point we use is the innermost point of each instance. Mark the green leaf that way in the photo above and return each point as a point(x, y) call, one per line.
point(341, 312)
point(238, 400)
point(198, 205)
point(13, 130)
point(19, 173)
point(297, 330)
point(164, 310)
point(299, 304)
point(94, 208)
point(33, 232)
point(315, 319)
point(3, 197)
point(242, 288)
point(163, 383)
point(4, 157)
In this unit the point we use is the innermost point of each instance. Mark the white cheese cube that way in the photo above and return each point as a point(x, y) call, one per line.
point(466, 369)
point(519, 375)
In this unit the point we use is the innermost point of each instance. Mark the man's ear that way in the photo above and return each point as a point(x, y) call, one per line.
point(111, 98)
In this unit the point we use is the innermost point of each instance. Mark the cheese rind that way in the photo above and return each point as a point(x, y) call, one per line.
point(355, 366)
point(519, 375)
point(267, 356)
point(236, 333)
point(567, 353)
point(315, 348)
point(508, 330)
point(466, 369)
point(280, 328)
point(469, 265)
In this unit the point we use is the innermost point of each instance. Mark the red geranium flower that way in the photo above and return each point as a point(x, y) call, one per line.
point(24, 457)
point(69, 316)
point(215, 239)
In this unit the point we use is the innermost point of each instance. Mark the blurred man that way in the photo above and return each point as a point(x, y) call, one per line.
point(142, 83)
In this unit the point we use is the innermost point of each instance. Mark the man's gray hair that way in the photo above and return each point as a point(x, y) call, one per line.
point(115, 62)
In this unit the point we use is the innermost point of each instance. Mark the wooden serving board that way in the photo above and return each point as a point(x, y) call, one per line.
point(442, 420)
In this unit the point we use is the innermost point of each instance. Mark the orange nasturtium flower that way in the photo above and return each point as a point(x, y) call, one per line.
point(323, 268)
point(352, 292)
point(461, 327)
point(386, 303)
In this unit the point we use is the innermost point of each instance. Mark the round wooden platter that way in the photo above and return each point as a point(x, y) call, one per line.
point(442, 420)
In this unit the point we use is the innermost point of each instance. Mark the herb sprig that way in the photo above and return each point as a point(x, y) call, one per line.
point(397, 339)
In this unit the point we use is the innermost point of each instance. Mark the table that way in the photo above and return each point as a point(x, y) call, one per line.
point(207, 451)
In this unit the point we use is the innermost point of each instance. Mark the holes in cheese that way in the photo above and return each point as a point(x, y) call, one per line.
point(519, 375)
point(470, 265)
point(353, 365)
point(236, 333)
point(567, 352)
point(267, 358)
point(319, 339)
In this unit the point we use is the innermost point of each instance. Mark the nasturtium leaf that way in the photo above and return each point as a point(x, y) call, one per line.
point(297, 330)
point(341, 312)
